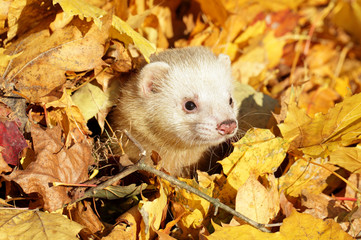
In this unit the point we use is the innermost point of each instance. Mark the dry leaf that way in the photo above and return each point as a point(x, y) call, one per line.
point(83, 9)
point(27, 224)
point(66, 114)
point(257, 202)
point(324, 133)
point(304, 175)
point(54, 163)
point(257, 153)
point(46, 55)
point(152, 214)
point(127, 35)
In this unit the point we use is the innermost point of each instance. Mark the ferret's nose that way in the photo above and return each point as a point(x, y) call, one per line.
point(227, 127)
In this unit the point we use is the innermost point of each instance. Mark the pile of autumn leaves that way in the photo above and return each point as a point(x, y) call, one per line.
point(311, 140)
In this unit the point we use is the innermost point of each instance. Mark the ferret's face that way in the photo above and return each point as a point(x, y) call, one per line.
point(192, 105)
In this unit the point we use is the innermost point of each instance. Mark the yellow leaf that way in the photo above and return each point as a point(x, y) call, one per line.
point(258, 152)
point(215, 10)
point(251, 32)
point(304, 175)
point(257, 202)
point(127, 35)
point(299, 226)
point(83, 9)
point(242, 232)
point(274, 48)
point(305, 226)
point(5, 59)
point(324, 133)
point(342, 86)
point(251, 64)
point(68, 115)
point(27, 224)
point(348, 16)
point(91, 100)
point(152, 212)
point(196, 207)
point(348, 158)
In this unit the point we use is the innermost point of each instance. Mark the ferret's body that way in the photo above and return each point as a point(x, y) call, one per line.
point(179, 105)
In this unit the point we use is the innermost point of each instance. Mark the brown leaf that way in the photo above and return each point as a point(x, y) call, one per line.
point(83, 214)
point(128, 227)
point(54, 163)
point(45, 58)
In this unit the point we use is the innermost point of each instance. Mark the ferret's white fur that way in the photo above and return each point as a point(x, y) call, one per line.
point(151, 106)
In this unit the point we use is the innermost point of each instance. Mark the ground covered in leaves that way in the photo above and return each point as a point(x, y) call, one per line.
point(297, 173)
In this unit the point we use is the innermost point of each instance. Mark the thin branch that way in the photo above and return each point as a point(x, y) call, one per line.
point(140, 165)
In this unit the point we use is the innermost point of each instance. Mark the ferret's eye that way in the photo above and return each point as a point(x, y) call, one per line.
point(231, 101)
point(190, 106)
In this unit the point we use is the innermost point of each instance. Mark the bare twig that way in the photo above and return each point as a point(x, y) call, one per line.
point(140, 165)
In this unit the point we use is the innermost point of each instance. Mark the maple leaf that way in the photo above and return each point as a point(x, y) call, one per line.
point(308, 227)
point(324, 133)
point(305, 175)
point(257, 153)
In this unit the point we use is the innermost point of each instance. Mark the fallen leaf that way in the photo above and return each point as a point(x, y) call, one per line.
point(82, 213)
point(12, 141)
point(324, 133)
point(92, 101)
point(305, 175)
point(47, 55)
point(259, 152)
point(322, 206)
point(66, 114)
point(258, 202)
point(54, 163)
point(251, 32)
point(215, 10)
point(128, 227)
point(309, 227)
point(348, 16)
point(152, 213)
point(82, 9)
point(348, 158)
point(116, 192)
point(244, 231)
point(126, 34)
point(27, 224)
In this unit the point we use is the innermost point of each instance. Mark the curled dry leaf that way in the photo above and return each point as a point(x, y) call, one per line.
point(82, 213)
point(54, 163)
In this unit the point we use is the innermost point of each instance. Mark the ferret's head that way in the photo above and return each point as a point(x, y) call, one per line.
point(187, 97)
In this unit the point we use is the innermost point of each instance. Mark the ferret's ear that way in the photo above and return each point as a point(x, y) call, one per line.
point(223, 58)
point(151, 76)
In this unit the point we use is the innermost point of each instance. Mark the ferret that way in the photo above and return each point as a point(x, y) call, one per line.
point(178, 105)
